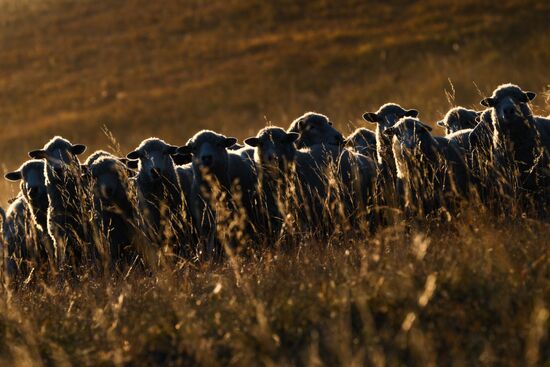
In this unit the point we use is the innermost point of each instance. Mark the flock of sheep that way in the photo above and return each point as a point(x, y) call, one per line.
point(213, 195)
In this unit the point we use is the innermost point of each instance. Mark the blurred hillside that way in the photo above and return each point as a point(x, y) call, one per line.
point(169, 68)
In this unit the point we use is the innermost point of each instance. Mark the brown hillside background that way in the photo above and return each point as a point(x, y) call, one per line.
point(169, 68)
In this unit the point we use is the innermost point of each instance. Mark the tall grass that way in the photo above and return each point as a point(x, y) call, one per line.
point(472, 292)
point(472, 289)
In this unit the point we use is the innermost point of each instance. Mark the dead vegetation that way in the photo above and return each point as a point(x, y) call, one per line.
point(471, 291)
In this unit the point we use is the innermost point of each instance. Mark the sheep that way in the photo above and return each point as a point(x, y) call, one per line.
point(335, 178)
point(459, 118)
point(480, 140)
point(33, 190)
point(326, 143)
point(243, 173)
point(185, 175)
point(319, 138)
point(326, 148)
point(456, 160)
point(459, 123)
point(282, 167)
point(289, 179)
point(431, 171)
point(356, 175)
point(386, 188)
point(34, 194)
point(363, 141)
point(97, 155)
point(215, 171)
point(484, 173)
point(17, 239)
point(274, 154)
point(26, 227)
point(66, 197)
point(113, 210)
point(520, 144)
point(315, 128)
point(159, 194)
point(482, 134)
point(209, 167)
point(386, 116)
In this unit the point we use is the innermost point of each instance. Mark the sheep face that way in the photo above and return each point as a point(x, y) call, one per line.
point(59, 153)
point(109, 177)
point(413, 138)
point(459, 118)
point(274, 148)
point(155, 159)
point(510, 107)
point(388, 115)
point(314, 129)
point(33, 182)
point(209, 151)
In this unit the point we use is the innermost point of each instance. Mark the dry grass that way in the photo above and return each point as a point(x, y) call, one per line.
point(475, 291)
point(468, 294)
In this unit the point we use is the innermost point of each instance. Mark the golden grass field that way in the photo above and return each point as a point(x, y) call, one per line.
point(475, 291)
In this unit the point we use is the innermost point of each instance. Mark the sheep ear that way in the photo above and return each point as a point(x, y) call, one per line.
point(136, 154)
point(253, 142)
point(180, 159)
point(441, 123)
point(292, 137)
point(186, 149)
point(77, 149)
point(530, 95)
point(391, 131)
point(38, 154)
point(229, 142)
point(371, 117)
point(487, 102)
point(14, 176)
point(411, 113)
point(171, 149)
